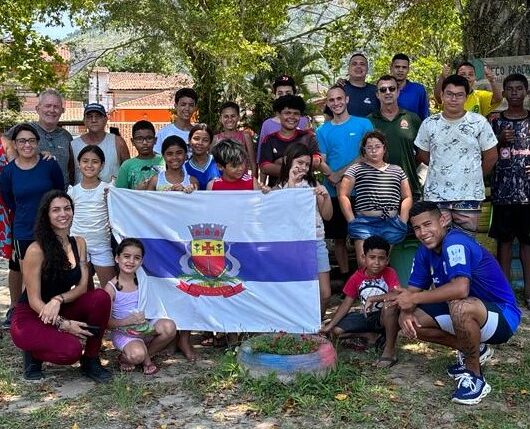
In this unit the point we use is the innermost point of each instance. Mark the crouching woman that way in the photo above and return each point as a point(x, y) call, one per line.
point(56, 320)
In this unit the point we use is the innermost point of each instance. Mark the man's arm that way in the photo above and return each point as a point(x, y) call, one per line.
point(422, 156)
point(122, 149)
point(495, 87)
point(489, 158)
point(407, 299)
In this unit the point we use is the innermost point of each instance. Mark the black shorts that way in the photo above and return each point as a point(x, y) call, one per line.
point(336, 227)
point(357, 322)
point(511, 221)
point(495, 330)
point(20, 247)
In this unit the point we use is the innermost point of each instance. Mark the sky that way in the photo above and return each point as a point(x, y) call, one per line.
point(56, 32)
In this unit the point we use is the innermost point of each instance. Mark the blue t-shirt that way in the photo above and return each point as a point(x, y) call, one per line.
point(413, 97)
point(203, 174)
point(362, 101)
point(462, 256)
point(340, 143)
point(23, 190)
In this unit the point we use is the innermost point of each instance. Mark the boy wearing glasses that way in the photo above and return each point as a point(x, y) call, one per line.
point(136, 172)
point(400, 128)
point(459, 147)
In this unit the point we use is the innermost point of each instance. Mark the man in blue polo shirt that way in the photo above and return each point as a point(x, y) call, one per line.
point(470, 306)
point(412, 95)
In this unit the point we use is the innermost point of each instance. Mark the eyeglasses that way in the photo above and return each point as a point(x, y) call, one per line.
point(383, 89)
point(457, 95)
point(140, 139)
point(32, 141)
point(374, 148)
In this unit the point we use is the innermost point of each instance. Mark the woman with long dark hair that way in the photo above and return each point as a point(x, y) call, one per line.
point(55, 314)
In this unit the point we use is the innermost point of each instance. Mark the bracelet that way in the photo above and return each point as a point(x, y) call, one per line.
point(59, 298)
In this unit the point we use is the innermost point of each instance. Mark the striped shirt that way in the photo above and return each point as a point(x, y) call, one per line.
point(376, 189)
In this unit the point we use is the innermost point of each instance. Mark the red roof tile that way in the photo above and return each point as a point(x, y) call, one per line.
point(147, 81)
point(159, 100)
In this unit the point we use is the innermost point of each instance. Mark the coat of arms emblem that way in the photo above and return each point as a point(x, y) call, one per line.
point(209, 268)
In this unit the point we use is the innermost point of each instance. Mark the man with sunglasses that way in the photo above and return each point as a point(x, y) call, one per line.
point(400, 127)
point(459, 147)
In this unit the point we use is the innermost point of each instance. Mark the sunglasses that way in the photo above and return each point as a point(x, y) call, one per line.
point(384, 89)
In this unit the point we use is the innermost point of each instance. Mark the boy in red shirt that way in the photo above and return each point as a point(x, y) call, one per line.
point(376, 278)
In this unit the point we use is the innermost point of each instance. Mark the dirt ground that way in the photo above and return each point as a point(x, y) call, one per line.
point(170, 399)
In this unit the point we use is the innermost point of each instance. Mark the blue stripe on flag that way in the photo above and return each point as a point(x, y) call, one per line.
point(278, 261)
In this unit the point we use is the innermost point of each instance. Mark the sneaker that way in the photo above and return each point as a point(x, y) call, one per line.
point(456, 370)
point(91, 368)
point(32, 367)
point(471, 389)
point(486, 352)
point(6, 324)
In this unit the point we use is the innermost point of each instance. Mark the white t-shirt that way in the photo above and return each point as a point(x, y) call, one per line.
point(91, 219)
point(112, 162)
point(165, 132)
point(455, 147)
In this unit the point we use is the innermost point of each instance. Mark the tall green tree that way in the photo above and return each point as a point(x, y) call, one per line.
point(222, 42)
point(27, 57)
point(496, 28)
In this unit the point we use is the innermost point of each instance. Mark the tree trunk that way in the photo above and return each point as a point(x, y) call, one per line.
point(496, 28)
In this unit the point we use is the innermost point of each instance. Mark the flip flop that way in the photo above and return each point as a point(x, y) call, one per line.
point(388, 362)
point(124, 365)
point(150, 369)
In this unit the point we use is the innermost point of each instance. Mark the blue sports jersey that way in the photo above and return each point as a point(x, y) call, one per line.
point(462, 256)
point(202, 174)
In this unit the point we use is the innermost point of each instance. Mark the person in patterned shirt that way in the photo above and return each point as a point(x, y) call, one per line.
point(510, 184)
point(459, 147)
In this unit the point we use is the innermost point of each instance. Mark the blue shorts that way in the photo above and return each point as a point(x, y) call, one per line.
point(393, 230)
point(496, 329)
point(357, 322)
point(322, 257)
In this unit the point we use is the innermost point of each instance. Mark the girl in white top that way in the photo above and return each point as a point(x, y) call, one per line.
point(91, 219)
point(175, 178)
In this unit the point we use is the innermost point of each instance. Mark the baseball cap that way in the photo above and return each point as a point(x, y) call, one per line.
point(95, 107)
point(284, 80)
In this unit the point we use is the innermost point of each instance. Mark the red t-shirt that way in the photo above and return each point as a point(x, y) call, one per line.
point(246, 183)
point(362, 286)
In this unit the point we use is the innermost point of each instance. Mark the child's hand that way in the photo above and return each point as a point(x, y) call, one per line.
point(321, 192)
point(264, 188)
point(295, 175)
point(188, 189)
point(325, 330)
point(136, 318)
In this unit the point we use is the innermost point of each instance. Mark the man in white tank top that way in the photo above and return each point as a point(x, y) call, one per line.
point(114, 147)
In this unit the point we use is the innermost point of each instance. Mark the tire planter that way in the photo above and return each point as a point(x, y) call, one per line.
point(286, 367)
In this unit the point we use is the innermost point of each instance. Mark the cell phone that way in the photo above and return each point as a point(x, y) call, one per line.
point(93, 329)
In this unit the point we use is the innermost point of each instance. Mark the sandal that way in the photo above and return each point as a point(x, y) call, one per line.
point(124, 365)
point(385, 362)
point(150, 369)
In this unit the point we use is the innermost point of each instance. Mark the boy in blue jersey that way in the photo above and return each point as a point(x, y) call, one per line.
point(471, 303)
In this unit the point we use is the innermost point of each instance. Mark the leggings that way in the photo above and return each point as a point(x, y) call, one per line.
point(46, 343)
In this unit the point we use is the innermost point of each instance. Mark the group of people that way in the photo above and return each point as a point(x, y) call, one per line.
point(369, 151)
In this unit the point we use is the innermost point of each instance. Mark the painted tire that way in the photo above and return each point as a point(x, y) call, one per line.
point(286, 367)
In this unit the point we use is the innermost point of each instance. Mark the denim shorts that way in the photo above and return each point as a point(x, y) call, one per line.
point(322, 257)
point(393, 230)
